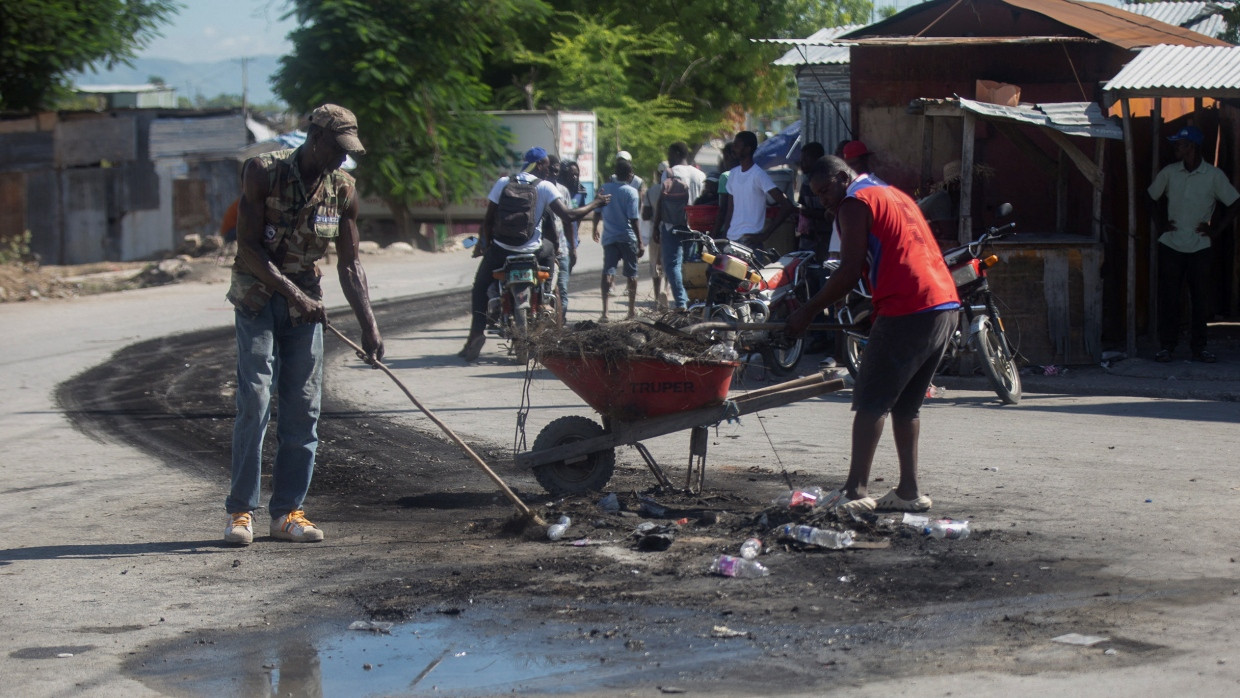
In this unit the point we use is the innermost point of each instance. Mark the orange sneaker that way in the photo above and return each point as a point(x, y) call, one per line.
point(296, 527)
point(240, 529)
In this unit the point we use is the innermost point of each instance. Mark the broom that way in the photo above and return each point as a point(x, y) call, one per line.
point(523, 511)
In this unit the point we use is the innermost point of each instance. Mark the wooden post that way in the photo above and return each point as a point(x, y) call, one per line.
point(1130, 319)
point(1152, 283)
point(1100, 156)
point(965, 234)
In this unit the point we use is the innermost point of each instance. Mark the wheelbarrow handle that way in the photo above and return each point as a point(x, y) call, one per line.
point(720, 325)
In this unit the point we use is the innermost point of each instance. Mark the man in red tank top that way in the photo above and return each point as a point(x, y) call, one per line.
point(883, 235)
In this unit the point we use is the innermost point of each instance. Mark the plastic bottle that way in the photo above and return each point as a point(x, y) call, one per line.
point(946, 528)
point(822, 537)
point(556, 530)
point(751, 548)
point(730, 566)
point(935, 391)
point(805, 497)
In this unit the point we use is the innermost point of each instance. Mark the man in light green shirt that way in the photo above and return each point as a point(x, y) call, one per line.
point(1191, 187)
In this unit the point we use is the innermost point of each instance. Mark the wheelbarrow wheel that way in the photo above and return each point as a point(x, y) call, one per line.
point(578, 477)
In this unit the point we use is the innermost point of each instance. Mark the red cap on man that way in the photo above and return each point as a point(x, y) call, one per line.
point(854, 150)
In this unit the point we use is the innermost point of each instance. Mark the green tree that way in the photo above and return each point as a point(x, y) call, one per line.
point(411, 74)
point(41, 42)
point(678, 69)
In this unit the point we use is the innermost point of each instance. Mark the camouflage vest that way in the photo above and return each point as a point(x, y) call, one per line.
point(297, 228)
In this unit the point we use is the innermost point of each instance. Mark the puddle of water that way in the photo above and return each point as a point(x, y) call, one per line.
point(478, 652)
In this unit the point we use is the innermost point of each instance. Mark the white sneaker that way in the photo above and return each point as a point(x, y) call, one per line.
point(240, 529)
point(296, 527)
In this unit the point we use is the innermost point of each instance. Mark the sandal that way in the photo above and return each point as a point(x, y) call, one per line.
point(1205, 357)
point(1163, 356)
point(839, 501)
point(892, 502)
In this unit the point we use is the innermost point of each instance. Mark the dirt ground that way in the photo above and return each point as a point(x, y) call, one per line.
point(418, 533)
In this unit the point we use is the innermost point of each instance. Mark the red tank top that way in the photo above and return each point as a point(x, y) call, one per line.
point(907, 271)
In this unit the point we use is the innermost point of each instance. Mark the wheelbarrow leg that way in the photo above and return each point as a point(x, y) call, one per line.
point(697, 458)
point(654, 467)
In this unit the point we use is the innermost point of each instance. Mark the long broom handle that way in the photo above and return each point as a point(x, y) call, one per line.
point(521, 507)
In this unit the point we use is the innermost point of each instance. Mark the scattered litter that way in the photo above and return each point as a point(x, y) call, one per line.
point(991, 468)
point(935, 391)
point(730, 566)
point(373, 626)
point(610, 503)
point(460, 654)
point(807, 498)
point(917, 521)
point(651, 507)
point(1054, 371)
point(846, 579)
point(64, 655)
point(556, 530)
point(821, 537)
point(751, 548)
point(1111, 652)
point(726, 632)
point(1149, 501)
point(582, 542)
point(652, 537)
point(671, 689)
point(1079, 639)
point(946, 528)
point(682, 521)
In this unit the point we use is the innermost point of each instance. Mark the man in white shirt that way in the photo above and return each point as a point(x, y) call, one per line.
point(748, 188)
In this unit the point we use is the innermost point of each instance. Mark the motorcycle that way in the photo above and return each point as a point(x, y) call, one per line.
point(981, 329)
point(521, 298)
point(747, 286)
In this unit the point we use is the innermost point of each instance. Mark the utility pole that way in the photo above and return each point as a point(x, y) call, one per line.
point(245, 86)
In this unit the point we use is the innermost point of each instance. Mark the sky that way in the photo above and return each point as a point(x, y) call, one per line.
point(211, 30)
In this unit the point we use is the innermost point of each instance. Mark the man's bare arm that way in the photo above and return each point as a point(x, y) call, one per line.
point(353, 278)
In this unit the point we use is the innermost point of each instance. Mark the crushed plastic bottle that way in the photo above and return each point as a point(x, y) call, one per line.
point(730, 566)
point(751, 548)
point(556, 530)
point(806, 497)
point(935, 391)
point(723, 352)
point(946, 528)
point(822, 537)
point(610, 503)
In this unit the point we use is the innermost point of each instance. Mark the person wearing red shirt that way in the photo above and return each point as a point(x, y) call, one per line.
point(884, 235)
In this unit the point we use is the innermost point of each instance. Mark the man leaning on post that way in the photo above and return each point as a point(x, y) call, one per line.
point(294, 203)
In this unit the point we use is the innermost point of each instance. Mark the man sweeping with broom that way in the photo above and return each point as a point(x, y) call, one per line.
point(294, 203)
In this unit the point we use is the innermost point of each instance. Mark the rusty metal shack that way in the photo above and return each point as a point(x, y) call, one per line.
point(1030, 131)
point(116, 185)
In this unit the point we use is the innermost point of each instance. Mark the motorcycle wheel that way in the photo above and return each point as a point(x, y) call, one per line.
point(781, 360)
point(581, 476)
point(853, 346)
point(997, 362)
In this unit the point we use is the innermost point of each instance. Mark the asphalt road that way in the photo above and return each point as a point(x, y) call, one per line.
point(109, 552)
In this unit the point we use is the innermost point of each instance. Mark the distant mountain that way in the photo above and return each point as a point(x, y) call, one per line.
point(206, 78)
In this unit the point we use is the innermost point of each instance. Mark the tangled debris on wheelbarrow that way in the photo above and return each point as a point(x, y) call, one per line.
point(657, 337)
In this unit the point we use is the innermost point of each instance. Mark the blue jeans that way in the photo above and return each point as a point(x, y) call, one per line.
point(271, 350)
point(673, 258)
point(561, 281)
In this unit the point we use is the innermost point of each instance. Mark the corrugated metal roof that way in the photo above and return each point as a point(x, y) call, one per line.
point(1110, 24)
point(171, 137)
point(1180, 71)
point(1201, 17)
point(1072, 118)
point(820, 48)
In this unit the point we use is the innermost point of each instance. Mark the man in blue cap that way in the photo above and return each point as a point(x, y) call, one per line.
point(496, 242)
point(1192, 186)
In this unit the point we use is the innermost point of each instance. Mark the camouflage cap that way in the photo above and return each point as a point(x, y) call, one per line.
point(342, 123)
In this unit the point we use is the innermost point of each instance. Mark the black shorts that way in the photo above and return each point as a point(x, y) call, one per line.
point(900, 360)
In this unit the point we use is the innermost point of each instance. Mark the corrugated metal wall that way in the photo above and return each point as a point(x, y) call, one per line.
point(99, 187)
point(826, 104)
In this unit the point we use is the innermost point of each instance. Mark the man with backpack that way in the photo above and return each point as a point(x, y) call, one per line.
point(513, 225)
point(682, 184)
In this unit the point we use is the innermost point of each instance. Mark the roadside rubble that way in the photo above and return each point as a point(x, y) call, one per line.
point(741, 540)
